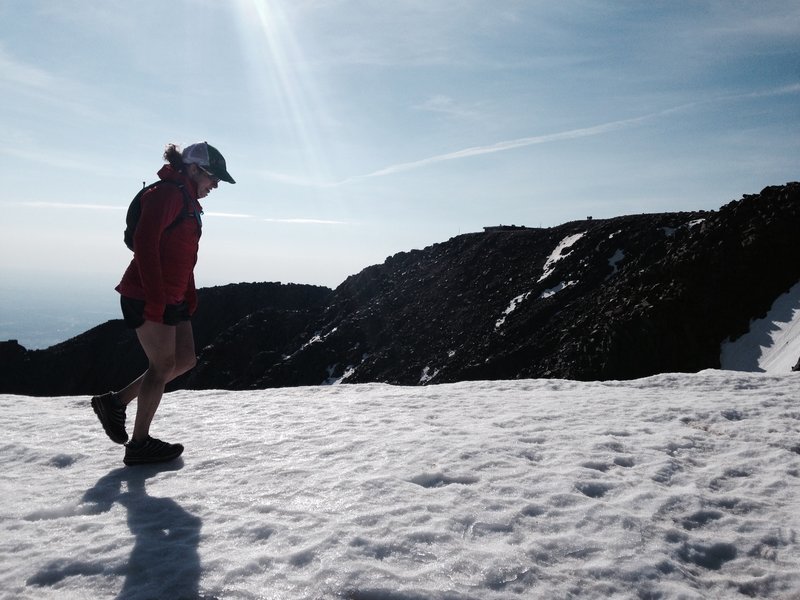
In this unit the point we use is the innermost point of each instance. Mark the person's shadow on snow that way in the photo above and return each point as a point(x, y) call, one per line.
point(164, 562)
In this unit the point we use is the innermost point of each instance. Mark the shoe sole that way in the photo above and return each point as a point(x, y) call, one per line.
point(99, 410)
point(149, 460)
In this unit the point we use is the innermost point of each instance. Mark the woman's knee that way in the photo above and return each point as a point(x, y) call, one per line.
point(163, 367)
point(186, 363)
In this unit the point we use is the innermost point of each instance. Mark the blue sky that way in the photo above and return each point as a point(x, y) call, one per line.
point(356, 130)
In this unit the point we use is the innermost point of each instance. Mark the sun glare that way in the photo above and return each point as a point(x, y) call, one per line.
point(281, 77)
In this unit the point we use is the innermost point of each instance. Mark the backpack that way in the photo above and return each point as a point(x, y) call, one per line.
point(135, 210)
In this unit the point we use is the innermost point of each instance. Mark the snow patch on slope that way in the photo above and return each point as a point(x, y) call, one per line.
point(559, 253)
point(512, 306)
point(772, 344)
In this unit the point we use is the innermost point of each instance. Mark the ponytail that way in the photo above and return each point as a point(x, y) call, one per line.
point(172, 155)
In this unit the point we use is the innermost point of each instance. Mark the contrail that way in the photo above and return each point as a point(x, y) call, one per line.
point(572, 134)
point(508, 145)
point(563, 135)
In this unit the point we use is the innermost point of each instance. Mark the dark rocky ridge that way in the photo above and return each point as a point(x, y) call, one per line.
point(631, 296)
point(108, 356)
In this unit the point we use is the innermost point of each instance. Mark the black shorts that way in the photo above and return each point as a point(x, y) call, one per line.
point(133, 312)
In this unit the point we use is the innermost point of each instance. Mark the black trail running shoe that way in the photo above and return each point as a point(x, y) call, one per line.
point(111, 412)
point(150, 451)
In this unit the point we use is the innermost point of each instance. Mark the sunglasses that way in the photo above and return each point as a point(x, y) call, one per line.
point(212, 177)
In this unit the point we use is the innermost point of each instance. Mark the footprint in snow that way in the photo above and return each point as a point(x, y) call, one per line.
point(612, 445)
point(732, 414)
point(61, 461)
point(593, 489)
point(724, 482)
point(533, 510)
point(533, 439)
point(596, 466)
point(437, 480)
point(667, 472)
point(700, 519)
point(770, 545)
point(711, 556)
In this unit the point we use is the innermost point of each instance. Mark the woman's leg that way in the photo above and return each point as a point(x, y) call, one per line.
point(185, 360)
point(158, 342)
point(185, 355)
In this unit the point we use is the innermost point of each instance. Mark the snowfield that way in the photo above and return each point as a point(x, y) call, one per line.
point(674, 486)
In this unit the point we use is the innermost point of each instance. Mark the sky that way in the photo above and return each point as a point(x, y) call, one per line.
point(672, 486)
point(356, 130)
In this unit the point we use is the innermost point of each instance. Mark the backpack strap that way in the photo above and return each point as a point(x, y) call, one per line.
point(135, 210)
point(188, 207)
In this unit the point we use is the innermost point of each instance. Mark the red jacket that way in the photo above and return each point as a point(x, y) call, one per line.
point(162, 269)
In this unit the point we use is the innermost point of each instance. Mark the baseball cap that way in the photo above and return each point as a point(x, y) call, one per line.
point(208, 158)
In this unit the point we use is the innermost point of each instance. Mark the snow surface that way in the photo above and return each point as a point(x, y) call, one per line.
point(557, 288)
point(674, 486)
point(773, 343)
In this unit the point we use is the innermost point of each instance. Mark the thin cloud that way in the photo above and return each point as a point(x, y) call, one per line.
point(54, 159)
point(18, 77)
point(228, 215)
point(66, 205)
point(306, 221)
point(77, 206)
point(571, 134)
point(793, 88)
point(503, 146)
point(469, 152)
point(17, 73)
point(292, 179)
point(290, 221)
point(445, 105)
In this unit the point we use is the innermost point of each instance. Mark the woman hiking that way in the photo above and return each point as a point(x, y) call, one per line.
point(158, 295)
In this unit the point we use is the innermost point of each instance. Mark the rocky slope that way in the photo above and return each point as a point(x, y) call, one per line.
point(109, 356)
point(598, 299)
